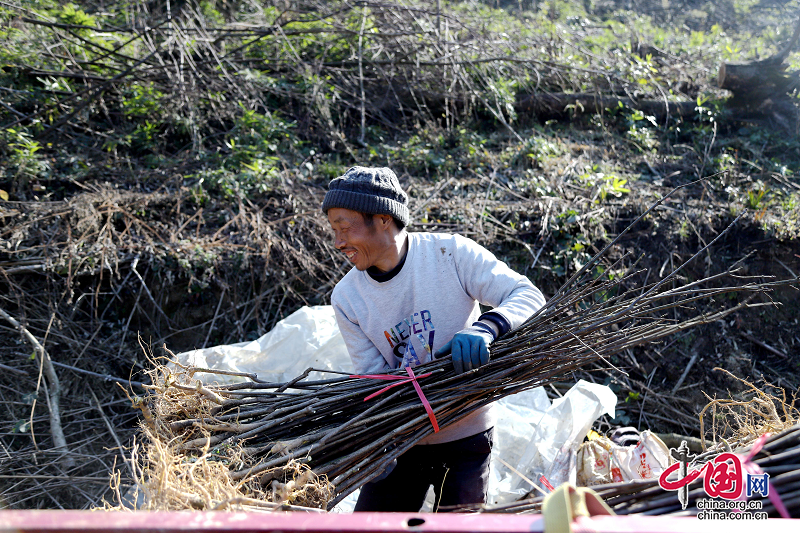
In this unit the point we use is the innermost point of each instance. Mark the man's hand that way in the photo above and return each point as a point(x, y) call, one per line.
point(469, 347)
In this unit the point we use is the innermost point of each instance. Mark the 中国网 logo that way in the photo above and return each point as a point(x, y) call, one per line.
point(725, 481)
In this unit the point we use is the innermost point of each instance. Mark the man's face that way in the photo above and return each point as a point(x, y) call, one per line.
point(362, 244)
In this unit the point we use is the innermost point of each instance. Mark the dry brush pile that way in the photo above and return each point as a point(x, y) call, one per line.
point(95, 271)
point(84, 277)
point(229, 93)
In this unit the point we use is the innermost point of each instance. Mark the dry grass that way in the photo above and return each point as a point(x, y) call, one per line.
point(755, 413)
point(172, 474)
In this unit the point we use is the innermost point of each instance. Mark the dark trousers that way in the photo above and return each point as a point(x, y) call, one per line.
point(458, 471)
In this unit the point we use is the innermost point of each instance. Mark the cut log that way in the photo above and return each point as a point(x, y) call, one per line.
point(545, 106)
point(760, 89)
point(752, 83)
point(542, 106)
point(734, 77)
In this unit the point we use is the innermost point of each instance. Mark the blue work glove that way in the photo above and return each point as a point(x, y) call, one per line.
point(469, 347)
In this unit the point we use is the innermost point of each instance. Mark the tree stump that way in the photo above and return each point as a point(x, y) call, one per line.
point(755, 84)
point(761, 89)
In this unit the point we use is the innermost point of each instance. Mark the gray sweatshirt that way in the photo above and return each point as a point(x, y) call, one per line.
point(403, 321)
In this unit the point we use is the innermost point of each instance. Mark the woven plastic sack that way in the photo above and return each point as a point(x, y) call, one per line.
point(602, 461)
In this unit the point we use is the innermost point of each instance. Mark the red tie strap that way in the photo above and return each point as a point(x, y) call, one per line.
point(401, 380)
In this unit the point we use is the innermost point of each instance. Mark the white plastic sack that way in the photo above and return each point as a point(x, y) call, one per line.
point(517, 416)
point(558, 433)
point(308, 338)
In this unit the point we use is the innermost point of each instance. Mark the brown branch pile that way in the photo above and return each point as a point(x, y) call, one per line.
point(333, 67)
point(83, 276)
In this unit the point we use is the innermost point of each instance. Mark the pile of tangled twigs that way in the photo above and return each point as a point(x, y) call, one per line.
point(346, 441)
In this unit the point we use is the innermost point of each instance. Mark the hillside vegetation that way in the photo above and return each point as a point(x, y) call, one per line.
point(162, 165)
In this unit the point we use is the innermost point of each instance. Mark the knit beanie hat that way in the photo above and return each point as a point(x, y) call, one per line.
point(370, 190)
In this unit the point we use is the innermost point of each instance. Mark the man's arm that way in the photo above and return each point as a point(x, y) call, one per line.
point(491, 282)
point(511, 295)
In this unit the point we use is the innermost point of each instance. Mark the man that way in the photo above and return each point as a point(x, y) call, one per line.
point(411, 298)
